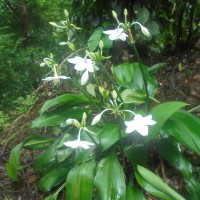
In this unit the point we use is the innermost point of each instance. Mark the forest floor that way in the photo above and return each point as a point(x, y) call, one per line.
point(179, 80)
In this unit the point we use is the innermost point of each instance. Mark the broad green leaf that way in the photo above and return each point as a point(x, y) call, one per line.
point(151, 189)
point(154, 68)
point(109, 180)
point(131, 96)
point(108, 136)
point(57, 116)
point(158, 183)
point(66, 99)
point(94, 39)
point(142, 15)
point(185, 127)
point(54, 176)
point(13, 164)
point(79, 184)
point(45, 159)
point(55, 194)
point(161, 113)
point(153, 28)
point(37, 142)
point(132, 193)
point(169, 150)
point(63, 154)
point(129, 75)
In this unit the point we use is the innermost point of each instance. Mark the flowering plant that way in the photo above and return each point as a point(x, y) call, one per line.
point(110, 127)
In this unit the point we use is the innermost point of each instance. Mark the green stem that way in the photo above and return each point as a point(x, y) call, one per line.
point(112, 82)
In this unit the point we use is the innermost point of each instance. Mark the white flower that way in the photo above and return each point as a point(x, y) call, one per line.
point(144, 30)
point(139, 124)
point(78, 143)
point(117, 34)
point(82, 64)
point(72, 121)
point(97, 118)
point(55, 77)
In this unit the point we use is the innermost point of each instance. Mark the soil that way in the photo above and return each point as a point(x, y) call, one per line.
point(179, 80)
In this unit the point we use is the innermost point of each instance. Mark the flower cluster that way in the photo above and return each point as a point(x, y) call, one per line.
point(86, 66)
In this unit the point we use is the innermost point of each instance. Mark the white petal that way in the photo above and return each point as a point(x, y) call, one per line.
point(50, 78)
point(143, 130)
point(85, 144)
point(109, 32)
point(84, 78)
point(63, 77)
point(90, 67)
point(130, 126)
point(123, 36)
point(72, 144)
point(148, 120)
point(75, 60)
point(80, 66)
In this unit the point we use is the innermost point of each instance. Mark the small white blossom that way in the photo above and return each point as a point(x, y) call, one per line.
point(82, 64)
point(78, 143)
point(139, 124)
point(116, 34)
point(72, 121)
point(55, 77)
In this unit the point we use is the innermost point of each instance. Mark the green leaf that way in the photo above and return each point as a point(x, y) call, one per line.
point(45, 159)
point(57, 116)
point(158, 183)
point(109, 180)
point(160, 114)
point(129, 75)
point(151, 189)
point(154, 68)
point(79, 184)
point(185, 127)
point(94, 39)
point(54, 176)
point(65, 99)
point(142, 15)
point(37, 142)
point(108, 136)
point(13, 164)
point(133, 193)
point(169, 150)
point(131, 96)
point(153, 28)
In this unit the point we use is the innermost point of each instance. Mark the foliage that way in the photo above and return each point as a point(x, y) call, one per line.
point(110, 124)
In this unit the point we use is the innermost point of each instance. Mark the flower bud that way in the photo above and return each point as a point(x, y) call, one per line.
point(66, 13)
point(145, 31)
point(125, 12)
point(101, 45)
point(114, 14)
point(42, 64)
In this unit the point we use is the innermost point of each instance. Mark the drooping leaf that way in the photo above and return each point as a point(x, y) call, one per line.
point(37, 142)
point(153, 27)
point(57, 116)
point(109, 180)
point(94, 39)
point(154, 68)
point(66, 99)
point(13, 164)
point(79, 184)
point(158, 183)
point(169, 150)
point(151, 189)
point(161, 113)
point(46, 158)
point(185, 127)
point(54, 176)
